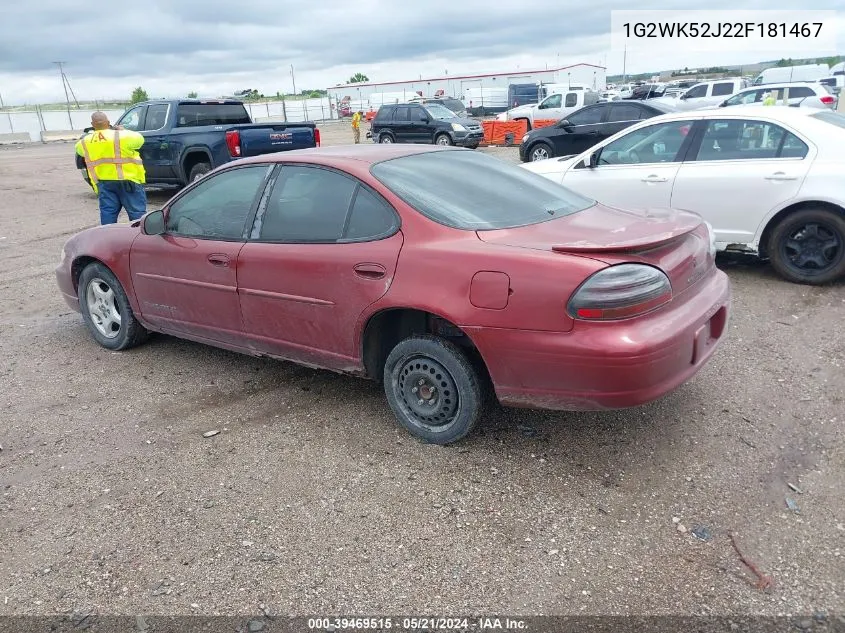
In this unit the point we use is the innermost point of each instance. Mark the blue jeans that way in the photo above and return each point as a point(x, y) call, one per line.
point(116, 194)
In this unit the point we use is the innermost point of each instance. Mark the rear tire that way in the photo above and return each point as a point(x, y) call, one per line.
point(433, 389)
point(198, 171)
point(106, 311)
point(385, 138)
point(808, 247)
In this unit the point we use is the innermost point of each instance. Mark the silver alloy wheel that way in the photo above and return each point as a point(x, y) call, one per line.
point(539, 153)
point(386, 138)
point(443, 140)
point(104, 312)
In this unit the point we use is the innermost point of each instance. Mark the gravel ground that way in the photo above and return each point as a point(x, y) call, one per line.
point(312, 500)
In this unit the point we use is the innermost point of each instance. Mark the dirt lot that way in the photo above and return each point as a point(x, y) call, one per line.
point(312, 500)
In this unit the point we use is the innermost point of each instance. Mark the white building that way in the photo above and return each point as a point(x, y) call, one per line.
point(362, 96)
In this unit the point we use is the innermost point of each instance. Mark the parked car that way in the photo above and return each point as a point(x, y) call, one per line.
point(768, 179)
point(707, 94)
point(184, 139)
point(556, 106)
point(424, 123)
point(549, 298)
point(586, 127)
point(800, 94)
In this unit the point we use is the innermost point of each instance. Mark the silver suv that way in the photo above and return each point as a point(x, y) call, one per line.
point(798, 94)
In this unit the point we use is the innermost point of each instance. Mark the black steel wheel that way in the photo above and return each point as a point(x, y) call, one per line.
point(433, 389)
point(808, 246)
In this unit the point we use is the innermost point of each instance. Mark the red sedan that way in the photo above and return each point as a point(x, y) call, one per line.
point(438, 271)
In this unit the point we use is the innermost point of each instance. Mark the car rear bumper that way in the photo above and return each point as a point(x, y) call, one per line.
point(610, 365)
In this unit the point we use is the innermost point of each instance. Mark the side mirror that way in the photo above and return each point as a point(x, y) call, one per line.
point(594, 159)
point(424, 118)
point(564, 123)
point(684, 96)
point(153, 223)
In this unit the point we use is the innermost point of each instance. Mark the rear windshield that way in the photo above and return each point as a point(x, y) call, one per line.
point(196, 114)
point(831, 117)
point(473, 191)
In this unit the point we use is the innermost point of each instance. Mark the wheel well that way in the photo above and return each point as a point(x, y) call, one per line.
point(763, 246)
point(192, 159)
point(386, 329)
point(78, 266)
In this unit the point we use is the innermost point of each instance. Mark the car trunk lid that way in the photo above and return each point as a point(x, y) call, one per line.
point(677, 242)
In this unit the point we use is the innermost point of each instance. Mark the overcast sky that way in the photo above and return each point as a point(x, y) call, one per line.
point(217, 46)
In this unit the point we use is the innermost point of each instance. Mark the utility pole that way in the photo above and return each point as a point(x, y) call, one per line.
point(67, 98)
point(624, 62)
point(293, 79)
point(8, 114)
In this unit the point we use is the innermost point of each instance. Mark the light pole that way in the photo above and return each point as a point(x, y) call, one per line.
point(64, 85)
point(293, 79)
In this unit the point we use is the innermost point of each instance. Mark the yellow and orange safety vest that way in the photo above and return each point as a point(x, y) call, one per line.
point(112, 155)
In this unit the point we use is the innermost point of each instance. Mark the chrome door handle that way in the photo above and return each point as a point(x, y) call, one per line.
point(654, 178)
point(779, 175)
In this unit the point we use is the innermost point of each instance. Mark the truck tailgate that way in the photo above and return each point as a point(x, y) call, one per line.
point(270, 138)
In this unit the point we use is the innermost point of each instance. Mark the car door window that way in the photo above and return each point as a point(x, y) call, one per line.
point(133, 119)
point(571, 100)
point(401, 114)
point(745, 98)
point(217, 208)
point(696, 92)
point(620, 113)
point(306, 204)
point(156, 117)
point(552, 102)
point(658, 143)
point(796, 92)
point(748, 140)
point(723, 89)
point(587, 116)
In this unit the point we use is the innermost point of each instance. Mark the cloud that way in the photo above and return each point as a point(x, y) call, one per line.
point(215, 46)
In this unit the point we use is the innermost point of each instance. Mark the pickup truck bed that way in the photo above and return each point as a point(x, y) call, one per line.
point(186, 139)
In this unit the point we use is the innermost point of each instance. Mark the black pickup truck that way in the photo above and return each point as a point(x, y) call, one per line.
point(186, 139)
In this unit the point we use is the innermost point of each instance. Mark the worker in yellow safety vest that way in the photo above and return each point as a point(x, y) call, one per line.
point(769, 99)
point(115, 168)
point(356, 125)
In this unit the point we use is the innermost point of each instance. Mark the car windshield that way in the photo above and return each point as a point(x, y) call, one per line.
point(438, 111)
point(472, 191)
point(833, 118)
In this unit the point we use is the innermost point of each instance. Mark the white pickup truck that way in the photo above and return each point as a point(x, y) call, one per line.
point(557, 106)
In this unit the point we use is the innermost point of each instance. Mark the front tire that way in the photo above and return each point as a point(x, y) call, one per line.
point(106, 310)
point(540, 151)
point(433, 389)
point(443, 139)
point(808, 247)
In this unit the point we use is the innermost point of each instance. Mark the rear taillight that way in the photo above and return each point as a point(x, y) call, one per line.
point(620, 292)
point(317, 137)
point(827, 99)
point(233, 142)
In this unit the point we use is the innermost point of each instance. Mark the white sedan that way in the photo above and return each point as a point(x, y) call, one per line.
point(770, 181)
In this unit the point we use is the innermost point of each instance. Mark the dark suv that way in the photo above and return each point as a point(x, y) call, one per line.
point(428, 123)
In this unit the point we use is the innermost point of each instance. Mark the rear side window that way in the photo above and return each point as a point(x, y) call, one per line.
point(402, 114)
point(798, 91)
point(310, 204)
point(384, 113)
point(748, 140)
point(723, 89)
point(625, 113)
point(571, 100)
point(198, 114)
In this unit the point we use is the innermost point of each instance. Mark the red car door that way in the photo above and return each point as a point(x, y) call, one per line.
point(186, 279)
point(322, 250)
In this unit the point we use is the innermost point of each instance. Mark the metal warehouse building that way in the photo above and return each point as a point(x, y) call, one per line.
point(464, 87)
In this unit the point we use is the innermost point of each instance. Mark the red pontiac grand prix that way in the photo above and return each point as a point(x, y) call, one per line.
point(437, 271)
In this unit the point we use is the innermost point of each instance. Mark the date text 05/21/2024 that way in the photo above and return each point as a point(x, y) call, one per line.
point(416, 623)
point(722, 29)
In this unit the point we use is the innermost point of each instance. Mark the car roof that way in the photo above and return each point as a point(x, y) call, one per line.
point(770, 112)
point(364, 153)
